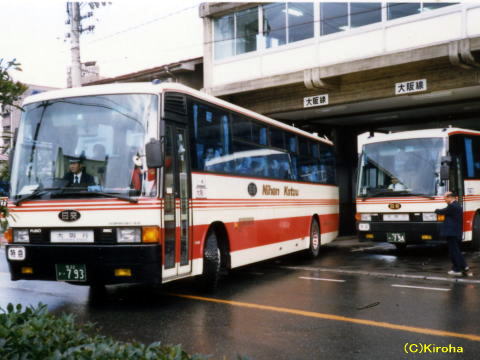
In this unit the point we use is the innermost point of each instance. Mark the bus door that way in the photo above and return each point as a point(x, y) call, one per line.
point(176, 193)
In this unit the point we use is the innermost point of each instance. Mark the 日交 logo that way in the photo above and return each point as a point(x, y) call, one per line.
point(252, 189)
point(394, 206)
point(69, 215)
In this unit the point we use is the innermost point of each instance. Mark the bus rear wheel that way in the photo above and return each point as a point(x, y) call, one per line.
point(400, 247)
point(212, 259)
point(315, 239)
point(476, 233)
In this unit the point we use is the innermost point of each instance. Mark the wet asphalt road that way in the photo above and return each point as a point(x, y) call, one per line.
point(356, 301)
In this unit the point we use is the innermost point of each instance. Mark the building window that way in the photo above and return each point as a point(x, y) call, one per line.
point(300, 21)
point(274, 25)
point(362, 14)
point(224, 35)
point(336, 17)
point(246, 30)
point(236, 33)
point(398, 10)
point(333, 17)
point(287, 22)
point(427, 6)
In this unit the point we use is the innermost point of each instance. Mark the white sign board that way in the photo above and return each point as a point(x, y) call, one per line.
point(318, 100)
point(410, 86)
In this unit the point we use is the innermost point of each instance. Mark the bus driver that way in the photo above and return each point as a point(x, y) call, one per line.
point(77, 176)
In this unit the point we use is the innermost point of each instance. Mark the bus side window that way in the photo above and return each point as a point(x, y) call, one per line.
point(210, 137)
point(327, 165)
point(273, 168)
point(259, 166)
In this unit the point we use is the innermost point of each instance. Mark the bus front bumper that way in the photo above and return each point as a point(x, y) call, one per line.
point(110, 264)
point(400, 232)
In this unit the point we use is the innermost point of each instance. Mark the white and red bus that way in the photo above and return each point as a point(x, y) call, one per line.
point(181, 184)
point(402, 179)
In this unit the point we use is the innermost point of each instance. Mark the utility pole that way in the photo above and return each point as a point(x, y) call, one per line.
point(75, 21)
point(74, 10)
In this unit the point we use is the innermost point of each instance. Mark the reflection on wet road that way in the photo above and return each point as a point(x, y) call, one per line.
point(356, 301)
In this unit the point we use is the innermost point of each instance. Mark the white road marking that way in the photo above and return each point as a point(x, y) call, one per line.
point(381, 274)
point(320, 279)
point(370, 248)
point(420, 287)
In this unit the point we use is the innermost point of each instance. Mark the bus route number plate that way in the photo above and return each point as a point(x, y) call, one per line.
point(71, 272)
point(396, 237)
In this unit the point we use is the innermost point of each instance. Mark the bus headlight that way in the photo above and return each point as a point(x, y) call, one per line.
point(128, 235)
point(21, 236)
point(364, 227)
point(365, 217)
point(429, 217)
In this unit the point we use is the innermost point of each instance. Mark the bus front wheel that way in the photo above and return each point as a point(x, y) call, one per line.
point(476, 233)
point(400, 247)
point(211, 262)
point(315, 241)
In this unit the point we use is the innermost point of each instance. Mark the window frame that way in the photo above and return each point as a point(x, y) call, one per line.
point(261, 43)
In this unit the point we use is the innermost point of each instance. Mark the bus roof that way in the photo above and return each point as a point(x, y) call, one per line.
point(414, 134)
point(150, 88)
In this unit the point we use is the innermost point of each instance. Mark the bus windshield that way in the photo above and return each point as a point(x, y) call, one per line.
point(84, 146)
point(401, 167)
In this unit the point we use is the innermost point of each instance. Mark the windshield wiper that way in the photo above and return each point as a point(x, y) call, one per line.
point(397, 193)
point(381, 193)
point(420, 194)
point(36, 193)
point(111, 195)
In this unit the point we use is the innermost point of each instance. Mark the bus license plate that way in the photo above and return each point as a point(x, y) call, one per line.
point(71, 236)
point(71, 272)
point(396, 237)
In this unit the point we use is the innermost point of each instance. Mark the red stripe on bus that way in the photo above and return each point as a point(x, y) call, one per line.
point(468, 220)
point(250, 234)
point(464, 132)
point(79, 208)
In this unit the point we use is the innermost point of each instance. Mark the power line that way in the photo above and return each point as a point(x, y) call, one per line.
point(132, 28)
point(324, 21)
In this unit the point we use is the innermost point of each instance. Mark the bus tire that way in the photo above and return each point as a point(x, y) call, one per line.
point(212, 260)
point(400, 247)
point(97, 294)
point(475, 245)
point(315, 239)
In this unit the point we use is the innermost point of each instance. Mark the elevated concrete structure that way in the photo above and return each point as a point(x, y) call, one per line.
point(359, 69)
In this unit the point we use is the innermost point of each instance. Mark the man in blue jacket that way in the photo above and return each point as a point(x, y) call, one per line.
point(452, 229)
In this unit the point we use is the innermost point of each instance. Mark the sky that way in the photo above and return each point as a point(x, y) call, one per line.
point(129, 36)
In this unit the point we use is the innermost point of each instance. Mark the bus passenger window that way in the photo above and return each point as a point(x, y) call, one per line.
point(210, 137)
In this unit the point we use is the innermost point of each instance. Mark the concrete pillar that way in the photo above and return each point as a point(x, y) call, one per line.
point(207, 53)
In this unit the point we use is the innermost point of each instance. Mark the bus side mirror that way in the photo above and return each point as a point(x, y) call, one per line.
point(445, 167)
point(153, 152)
point(444, 172)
